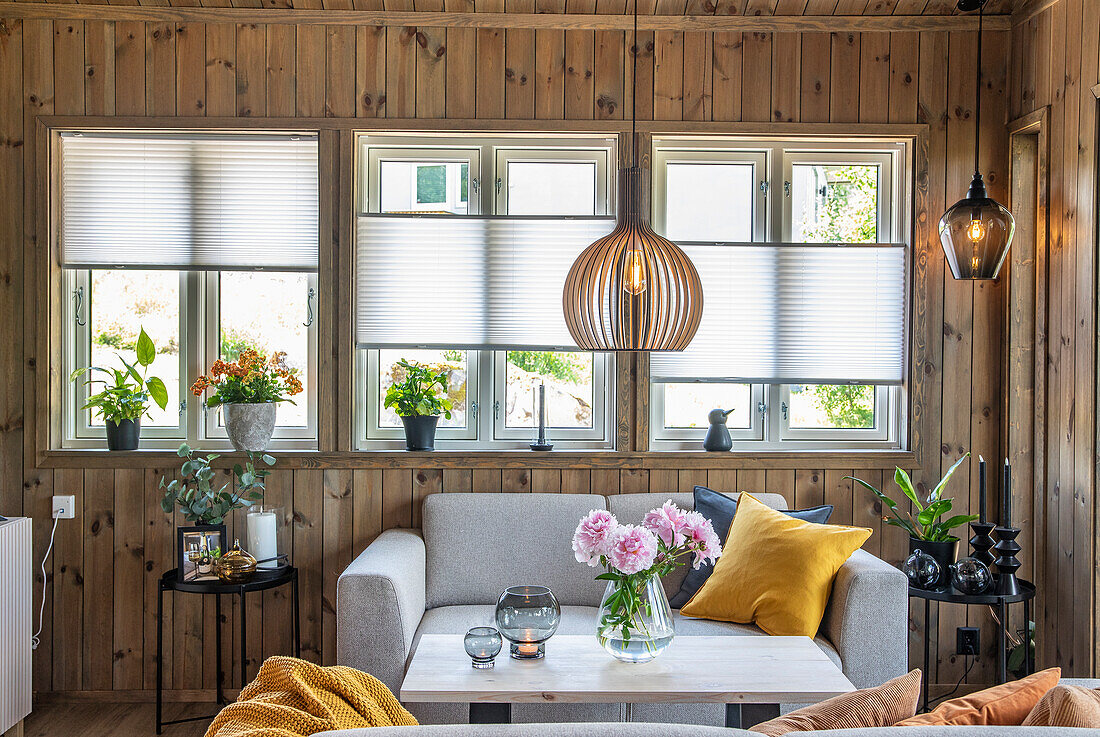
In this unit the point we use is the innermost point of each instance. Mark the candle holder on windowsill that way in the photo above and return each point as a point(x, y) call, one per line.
point(540, 442)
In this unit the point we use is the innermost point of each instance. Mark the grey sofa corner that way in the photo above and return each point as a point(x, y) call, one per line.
point(447, 578)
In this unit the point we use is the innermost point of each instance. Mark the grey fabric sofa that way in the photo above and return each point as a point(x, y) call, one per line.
point(447, 577)
point(674, 730)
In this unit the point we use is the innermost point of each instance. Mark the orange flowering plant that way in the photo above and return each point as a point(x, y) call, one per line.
point(252, 379)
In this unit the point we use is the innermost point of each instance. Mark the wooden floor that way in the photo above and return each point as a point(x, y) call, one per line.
point(108, 719)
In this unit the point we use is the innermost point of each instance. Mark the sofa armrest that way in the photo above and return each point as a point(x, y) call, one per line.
point(379, 605)
point(867, 620)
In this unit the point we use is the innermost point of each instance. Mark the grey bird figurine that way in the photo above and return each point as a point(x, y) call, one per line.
point(718, 435)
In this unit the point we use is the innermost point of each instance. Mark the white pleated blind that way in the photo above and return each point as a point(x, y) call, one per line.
point(189, 201)
point(467, 282)
point(796, 313)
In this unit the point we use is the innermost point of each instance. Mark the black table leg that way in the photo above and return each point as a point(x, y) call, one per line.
point(490, 713)
point(1002, 641)
point(218, 647)
point(160, 643)
point(297, 625)
point(753, 714)
point(733, 716)
point(924, 673)
point(1029, 666)
point(244, 663)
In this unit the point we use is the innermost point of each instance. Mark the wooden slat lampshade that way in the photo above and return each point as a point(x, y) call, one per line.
point(632, 290)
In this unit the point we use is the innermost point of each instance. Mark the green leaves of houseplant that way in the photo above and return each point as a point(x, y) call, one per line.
point(927, 523)
point(196, 496)
point(422, 392)
point(126, 391)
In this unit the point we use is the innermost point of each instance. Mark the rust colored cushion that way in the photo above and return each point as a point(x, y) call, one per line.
point(880, 706)
point(1067, 706)
point(1005, 705)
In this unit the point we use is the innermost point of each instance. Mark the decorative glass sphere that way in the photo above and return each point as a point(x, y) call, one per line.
point(527, 616)
point(482, 645)
point(921, 569)
point(970, 576)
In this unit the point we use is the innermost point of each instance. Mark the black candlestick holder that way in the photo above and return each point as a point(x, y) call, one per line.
point(1007, 563)
point(982, 542)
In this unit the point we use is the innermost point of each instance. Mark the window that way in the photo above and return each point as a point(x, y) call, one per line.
point(209, 243)
point(746, 205)
point(534, 181)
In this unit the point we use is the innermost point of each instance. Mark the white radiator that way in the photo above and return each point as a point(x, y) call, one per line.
point(15, 621)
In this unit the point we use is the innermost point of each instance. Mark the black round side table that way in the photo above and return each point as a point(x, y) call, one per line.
point(1001, 601)
point(260, 581)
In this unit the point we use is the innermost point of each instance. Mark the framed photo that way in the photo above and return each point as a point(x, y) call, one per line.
point(196, 549)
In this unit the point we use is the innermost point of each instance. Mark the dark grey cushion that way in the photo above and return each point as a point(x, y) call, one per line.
point(719, 509)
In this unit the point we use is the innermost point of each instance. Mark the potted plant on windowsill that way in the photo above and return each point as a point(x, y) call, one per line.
point(125, 396)
point(249, 390)
point(419, 399)
point(928, 530)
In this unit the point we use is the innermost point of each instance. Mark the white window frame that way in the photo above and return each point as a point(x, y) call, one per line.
point(772, 221)
point(488, 159)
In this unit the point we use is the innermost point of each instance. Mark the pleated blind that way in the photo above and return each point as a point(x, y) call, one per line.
point(467, 282)
point(796, 313)
point(189, 201)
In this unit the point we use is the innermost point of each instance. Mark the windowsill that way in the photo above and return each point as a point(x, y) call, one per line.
point(459, 459)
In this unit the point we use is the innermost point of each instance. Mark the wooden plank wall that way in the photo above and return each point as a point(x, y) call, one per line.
point(99, 630)
point(1056, 69)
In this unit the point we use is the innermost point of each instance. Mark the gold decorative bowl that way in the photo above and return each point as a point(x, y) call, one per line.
point(236, 566)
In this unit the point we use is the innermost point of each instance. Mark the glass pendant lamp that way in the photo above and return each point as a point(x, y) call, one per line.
point(977, 230)
point(633, 290)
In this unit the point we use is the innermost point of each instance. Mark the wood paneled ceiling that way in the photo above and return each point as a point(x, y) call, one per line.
point(651, 7)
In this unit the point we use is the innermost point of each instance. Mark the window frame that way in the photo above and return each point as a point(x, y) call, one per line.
point(773, 222)
point(486, 374)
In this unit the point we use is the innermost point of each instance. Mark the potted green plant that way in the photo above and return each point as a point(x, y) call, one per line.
point(125, 395)
point(199, 501)
point(927, 528)
point(419, 399)
point(249, 390)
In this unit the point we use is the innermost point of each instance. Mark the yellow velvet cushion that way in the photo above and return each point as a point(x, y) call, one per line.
point(775, 571)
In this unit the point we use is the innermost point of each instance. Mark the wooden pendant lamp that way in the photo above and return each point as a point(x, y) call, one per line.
point(632, 290)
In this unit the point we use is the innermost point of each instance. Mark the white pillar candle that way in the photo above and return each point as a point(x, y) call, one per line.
point(261, 537)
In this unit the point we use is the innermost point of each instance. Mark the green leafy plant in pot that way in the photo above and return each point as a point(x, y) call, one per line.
point(125, 395)
point(195, 493)
point(929, 525)
point(419, 399)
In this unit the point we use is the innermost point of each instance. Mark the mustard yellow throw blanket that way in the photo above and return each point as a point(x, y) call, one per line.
point(293, 698)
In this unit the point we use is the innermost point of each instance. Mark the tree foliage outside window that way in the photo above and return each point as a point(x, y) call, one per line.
point(845, 205)
point(844, 406)
point(568, 367)
point(431, 184)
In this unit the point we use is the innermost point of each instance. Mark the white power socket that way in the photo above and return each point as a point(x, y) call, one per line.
point(64, 507)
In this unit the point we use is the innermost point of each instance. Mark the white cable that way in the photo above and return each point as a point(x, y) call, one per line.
point(42, 609)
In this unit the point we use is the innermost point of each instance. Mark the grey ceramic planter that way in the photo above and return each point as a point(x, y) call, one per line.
point(250, 426)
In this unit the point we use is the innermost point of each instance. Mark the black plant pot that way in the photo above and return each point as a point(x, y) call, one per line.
point(420, 431)
point(123, 435)
point(943, 552)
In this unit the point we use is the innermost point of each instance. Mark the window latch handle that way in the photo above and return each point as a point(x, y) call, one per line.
point(309, 307)
point(783, 406)
point(183, 407)
point(474, 407)
point(787, 188)
point(762, 408)
point(475, 183)
point(78, 298)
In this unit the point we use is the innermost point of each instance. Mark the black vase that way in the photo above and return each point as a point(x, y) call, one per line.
point(123, 435)
point(943, 552)
point(420, 431)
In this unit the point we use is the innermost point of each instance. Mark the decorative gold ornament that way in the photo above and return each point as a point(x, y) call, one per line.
point(236, 566)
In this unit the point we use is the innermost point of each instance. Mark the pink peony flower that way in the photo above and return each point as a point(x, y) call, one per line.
point(590, 539)
point(667, 523)
point(700, 535)
point(631, 549)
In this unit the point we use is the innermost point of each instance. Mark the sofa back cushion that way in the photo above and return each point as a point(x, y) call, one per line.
point(630, 508)
point(477, 545)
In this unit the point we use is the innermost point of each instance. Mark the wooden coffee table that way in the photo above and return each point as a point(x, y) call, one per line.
point(756, 672)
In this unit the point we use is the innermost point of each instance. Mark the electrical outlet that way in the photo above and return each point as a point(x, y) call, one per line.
point(64, 507)
point(967, 641)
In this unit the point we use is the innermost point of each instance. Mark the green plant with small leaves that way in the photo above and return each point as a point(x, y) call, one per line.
point(194, 493)
point(127, 392)
point(927, 523)
point(421, 392)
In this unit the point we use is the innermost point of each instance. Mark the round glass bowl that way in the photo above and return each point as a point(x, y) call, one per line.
point(483, 645)
point(527, 616)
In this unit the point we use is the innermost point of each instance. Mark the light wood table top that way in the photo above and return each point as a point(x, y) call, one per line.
point(718, 669)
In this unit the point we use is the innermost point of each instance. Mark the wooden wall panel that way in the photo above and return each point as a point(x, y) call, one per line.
point(280, 70)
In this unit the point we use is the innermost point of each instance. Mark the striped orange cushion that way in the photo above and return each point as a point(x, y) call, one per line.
point(881, 706)
point(1066, 706)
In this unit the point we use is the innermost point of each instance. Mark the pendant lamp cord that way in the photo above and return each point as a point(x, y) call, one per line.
point(634, 95)
point(978, 92)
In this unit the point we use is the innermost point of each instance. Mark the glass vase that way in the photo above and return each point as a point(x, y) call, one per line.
point(635, 626)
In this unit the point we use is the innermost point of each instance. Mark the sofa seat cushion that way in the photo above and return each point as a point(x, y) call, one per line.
point(477, 545)
point(581, 620)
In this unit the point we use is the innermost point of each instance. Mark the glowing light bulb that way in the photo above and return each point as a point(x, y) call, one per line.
point(976, 230)
point(635, 278)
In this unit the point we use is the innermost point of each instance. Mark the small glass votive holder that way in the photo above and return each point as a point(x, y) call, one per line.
point(483, 644)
